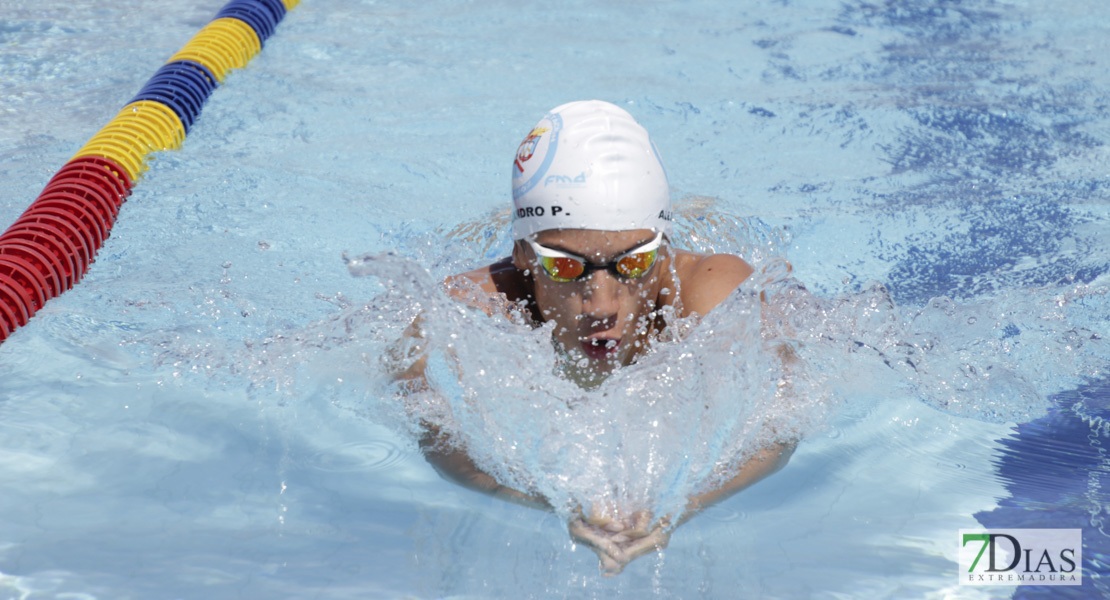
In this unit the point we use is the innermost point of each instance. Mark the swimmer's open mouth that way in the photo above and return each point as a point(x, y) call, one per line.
point(599, 348)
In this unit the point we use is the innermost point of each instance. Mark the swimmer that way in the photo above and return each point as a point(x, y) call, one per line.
point(592, 223)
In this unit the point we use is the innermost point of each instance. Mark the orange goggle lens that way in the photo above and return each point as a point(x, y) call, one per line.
point(636, 265)
point(563, 268)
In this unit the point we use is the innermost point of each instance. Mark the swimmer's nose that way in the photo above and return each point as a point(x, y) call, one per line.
point(600, 302)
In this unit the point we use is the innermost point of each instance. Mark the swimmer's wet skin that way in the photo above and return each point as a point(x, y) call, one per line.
point(591, 220)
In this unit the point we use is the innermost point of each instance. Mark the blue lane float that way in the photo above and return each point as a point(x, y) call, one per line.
point(262, 15)
point(182, 85)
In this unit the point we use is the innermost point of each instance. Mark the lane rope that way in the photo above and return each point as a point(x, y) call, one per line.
point(51, 245)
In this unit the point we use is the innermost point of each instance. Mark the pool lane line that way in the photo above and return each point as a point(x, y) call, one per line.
point(50, 246)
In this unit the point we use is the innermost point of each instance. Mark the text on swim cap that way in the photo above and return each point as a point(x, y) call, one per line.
point(565, 180)
point(539, 211)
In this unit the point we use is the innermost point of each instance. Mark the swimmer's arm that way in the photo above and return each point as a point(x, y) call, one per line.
point(725, 271)
point(473, 288)
point(456, 466)
point(763, 464)
point(401, 355)
point(477, 288)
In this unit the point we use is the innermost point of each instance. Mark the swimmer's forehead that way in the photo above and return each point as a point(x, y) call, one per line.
point(594, 242)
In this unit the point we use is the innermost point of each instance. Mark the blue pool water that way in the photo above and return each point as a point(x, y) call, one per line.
point(203, 417)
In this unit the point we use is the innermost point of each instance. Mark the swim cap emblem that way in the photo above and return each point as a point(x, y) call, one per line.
point(528, 147)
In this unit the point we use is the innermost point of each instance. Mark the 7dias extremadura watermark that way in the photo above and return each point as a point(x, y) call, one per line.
point(1021, 557)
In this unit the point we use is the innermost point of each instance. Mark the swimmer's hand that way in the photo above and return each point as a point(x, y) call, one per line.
point(618, 542)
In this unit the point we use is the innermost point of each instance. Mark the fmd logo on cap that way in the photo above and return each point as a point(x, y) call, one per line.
point(1021, 557)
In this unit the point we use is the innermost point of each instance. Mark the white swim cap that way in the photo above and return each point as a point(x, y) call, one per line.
point(589, 165)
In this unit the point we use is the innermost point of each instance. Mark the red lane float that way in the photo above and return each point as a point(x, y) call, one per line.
point(50, 246)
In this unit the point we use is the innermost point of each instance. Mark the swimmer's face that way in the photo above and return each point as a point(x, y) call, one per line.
point(601, 317)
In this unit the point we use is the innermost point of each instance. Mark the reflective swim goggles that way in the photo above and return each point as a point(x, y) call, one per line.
point(563, 266)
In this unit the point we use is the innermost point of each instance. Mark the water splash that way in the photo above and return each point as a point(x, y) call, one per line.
point(494, 386)
point(770, 365)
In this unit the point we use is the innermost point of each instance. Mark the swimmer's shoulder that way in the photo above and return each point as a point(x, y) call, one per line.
point(500, 281)
point(486, 277)
point(707, 279)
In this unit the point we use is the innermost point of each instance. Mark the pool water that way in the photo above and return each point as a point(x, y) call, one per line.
point(204, 415)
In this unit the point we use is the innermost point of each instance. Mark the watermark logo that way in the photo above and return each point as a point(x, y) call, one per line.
point(1021, 557)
